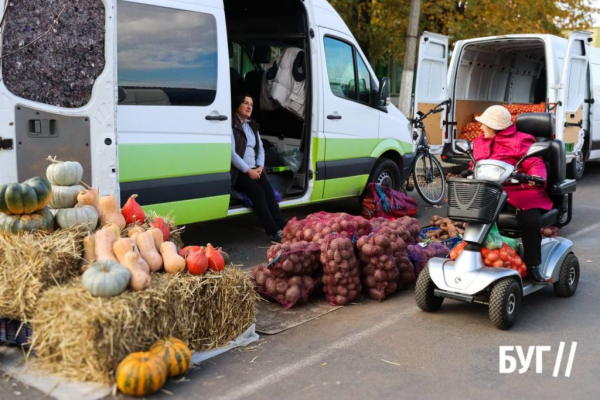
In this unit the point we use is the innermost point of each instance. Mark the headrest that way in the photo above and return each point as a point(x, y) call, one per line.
point(261, 54)
point(539, 125)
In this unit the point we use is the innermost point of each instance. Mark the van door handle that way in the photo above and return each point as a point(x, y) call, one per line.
point(334, 117)
point(216, 117)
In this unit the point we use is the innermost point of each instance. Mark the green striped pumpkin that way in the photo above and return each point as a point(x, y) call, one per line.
point(141, 374)
point(25, 198)
point(41, 220)
point(176, 355)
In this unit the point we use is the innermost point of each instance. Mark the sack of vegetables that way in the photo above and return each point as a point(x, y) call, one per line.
point(286, 291)
point(505, 257)
point(420, 255)
point(289, 259)
point(341, 272)
point(406, 227)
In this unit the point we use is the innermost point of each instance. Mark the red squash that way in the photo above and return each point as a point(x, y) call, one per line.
point(215, 259)
point(197, 262)
point(164, 228)
point(132, 211)
point(189, 249)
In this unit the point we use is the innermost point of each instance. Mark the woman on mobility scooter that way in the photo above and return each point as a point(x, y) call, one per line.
point(501, 141)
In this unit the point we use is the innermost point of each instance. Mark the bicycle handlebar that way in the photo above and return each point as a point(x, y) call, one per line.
point(434, 110)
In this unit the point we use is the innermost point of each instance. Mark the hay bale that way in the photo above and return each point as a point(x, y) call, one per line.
point(82, 337)
point(33, 262)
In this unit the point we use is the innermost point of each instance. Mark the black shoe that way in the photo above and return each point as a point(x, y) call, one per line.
point(536, 277)
point(278, 237)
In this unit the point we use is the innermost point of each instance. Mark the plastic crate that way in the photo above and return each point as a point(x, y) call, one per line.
point(450, 243)
point(15, 332)
point(473, 200)
point(569, 147)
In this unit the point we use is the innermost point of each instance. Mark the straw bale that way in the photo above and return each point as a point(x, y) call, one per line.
point(33, 262)
point(82, 337)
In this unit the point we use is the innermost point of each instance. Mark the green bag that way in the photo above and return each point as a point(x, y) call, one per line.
point(493, 240)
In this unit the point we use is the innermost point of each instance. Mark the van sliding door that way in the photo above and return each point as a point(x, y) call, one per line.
point(174, 118)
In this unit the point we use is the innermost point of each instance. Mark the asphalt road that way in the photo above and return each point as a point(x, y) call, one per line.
point(394, 350)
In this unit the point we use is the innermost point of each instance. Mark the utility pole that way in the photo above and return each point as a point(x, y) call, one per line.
point(408, 69)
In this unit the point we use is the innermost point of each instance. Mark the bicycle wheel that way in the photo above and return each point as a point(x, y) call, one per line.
point(430, 181)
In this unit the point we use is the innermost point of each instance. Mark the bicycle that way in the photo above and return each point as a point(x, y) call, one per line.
point(426, 170)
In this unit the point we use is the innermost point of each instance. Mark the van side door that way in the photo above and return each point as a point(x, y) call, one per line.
point(174, 112)
point(350, 122)
point(431, 86)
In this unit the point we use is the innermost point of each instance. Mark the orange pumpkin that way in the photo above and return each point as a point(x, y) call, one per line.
point(176, 355)
point(141, 374)
point(197, 262)
point(215, 259)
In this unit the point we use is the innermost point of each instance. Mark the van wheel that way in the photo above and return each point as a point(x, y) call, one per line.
point(576, 167)
point(386, 173)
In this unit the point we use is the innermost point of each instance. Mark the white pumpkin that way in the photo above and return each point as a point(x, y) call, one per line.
point(69, 217)
point(66, 173)
point(64, 196)
point(106, 278)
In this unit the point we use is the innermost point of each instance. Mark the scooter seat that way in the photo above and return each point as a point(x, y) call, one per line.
point(508, 221)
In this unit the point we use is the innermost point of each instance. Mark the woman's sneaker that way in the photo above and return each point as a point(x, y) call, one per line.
point(278, 237)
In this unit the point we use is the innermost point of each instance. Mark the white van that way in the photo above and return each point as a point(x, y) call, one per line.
point(157, 119)
point(561, 75)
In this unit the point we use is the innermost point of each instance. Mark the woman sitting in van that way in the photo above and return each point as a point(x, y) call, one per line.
point(247, 167)
point(501, 141)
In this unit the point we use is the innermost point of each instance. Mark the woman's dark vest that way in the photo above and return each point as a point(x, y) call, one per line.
point(241, 141)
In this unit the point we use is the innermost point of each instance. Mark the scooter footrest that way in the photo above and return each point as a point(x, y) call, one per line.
point(454, 296)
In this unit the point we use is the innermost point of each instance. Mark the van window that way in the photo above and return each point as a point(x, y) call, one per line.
point(158, 66)
point(364, 81)
point(340, 68)
point(240, 60)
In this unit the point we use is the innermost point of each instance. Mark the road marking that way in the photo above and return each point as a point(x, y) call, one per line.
point(585, 231)
point(291, 369)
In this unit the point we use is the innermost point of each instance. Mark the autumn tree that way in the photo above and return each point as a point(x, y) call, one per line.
point(380, 25)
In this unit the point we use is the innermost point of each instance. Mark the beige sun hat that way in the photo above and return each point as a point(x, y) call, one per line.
point(496, 117)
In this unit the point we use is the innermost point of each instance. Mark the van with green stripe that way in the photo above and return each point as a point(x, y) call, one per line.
point(155, 118)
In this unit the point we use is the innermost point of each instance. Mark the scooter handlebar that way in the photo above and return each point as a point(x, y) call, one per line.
point(526, 178)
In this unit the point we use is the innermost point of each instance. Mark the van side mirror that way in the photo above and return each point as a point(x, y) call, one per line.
point(384, 94)
point(535, 150)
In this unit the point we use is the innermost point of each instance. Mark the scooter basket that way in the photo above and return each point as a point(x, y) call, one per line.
point(473, 200)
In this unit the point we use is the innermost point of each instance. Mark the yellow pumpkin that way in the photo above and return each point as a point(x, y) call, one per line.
point(141, 374)
point(176, 355)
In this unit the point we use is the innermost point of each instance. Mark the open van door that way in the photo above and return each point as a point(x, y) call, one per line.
point(42, 118)
point(431, 84)
point(573, 90)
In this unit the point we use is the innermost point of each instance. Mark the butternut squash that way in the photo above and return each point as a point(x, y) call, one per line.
point(173, 262)
point(125, 245)
point(135, 229)
point(105, 239)
point(140, 279)
point(145, 242)
point(90, 197)
point(110, 212)
point(89, 250)
point(158, 237)
point(115, 228)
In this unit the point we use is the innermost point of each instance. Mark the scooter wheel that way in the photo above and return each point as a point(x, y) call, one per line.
point(505, 301)
point(426, 300)
point(568, 277)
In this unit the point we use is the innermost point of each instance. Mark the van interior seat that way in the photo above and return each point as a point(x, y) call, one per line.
point(541, 127)
point(253, 80)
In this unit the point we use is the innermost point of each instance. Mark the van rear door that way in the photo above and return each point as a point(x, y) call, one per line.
point(431, 85)
point(65, 109)
point(572, 91)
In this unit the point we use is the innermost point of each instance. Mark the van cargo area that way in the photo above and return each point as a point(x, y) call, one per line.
point(258, 33)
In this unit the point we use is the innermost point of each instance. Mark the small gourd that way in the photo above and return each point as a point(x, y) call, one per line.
point(110, 212)
point(114, 228)
point(105, 239)
point(106, 278)
point(135, 229)
point(125, 245)
point(89, 249)
point(158, 237)
point(147, 247)
point(141, 374)
point(64, 196)
point(70, 217)
point(173, 262)
point(67, 173)
point(90, 197)
point(140, 279)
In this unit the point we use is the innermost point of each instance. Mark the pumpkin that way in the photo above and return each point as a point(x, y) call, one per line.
point(70, 217)
point(176, 355)
point(125, 245)
point(106, 278)
point(163, 226)
point(105, 239)
point(41, 220)
point(133, 212)
point(140, 279)
point(64, 196)
point(197, 262)
point(147, 247)
point(215, 259)
point(188, 249)
point(173, 262)
point(141, 374)
point(66, 173)
point(110, 212)
point(90, 197)
point(25, 198)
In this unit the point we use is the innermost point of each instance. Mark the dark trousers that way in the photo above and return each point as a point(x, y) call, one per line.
point(530, 223)
point(263, 201)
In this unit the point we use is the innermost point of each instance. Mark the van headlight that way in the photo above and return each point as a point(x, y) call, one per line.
point(489, 172)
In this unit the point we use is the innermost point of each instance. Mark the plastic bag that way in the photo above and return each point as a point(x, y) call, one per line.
point(389, 203)
point(293, 159)
point(493, 240)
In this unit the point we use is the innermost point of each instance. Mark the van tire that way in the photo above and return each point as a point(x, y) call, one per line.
point(576, 167)
point(384, 170)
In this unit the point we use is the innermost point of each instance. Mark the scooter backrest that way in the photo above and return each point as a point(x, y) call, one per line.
point(538, 125)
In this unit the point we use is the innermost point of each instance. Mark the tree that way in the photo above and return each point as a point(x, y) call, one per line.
point(380, 25)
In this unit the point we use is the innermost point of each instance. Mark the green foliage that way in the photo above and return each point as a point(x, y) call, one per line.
point(380, 25)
